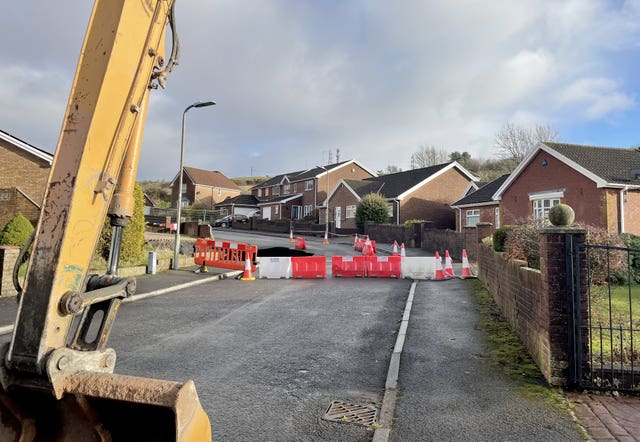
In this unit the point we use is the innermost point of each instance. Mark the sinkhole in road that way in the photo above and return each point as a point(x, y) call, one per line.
point(281, 251)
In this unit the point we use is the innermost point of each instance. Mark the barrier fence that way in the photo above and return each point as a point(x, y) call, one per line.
point(232, 255)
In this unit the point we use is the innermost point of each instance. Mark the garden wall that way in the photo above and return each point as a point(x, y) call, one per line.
point(535, 302)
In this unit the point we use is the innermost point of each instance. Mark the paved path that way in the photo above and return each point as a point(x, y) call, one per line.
point(450, 389)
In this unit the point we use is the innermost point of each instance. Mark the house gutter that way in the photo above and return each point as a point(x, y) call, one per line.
point(397, 211)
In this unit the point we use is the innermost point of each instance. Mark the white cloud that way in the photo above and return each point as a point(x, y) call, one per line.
point(595, 97)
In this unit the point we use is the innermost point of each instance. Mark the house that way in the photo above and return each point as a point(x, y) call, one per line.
point(479, 206)
point(415, 194)
point(301, 194)
point(601, 184)
point(239, 205)
point(23, 178)
point(204, 187)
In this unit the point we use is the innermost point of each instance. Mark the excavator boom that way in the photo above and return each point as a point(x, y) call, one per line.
point(57, 377)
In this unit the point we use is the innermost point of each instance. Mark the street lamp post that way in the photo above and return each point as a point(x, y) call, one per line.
point(176, 246)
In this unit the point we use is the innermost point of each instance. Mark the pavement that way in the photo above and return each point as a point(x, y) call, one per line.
point(601, 417)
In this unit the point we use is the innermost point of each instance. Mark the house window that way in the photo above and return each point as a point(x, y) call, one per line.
point(308, 185)
point(259, 192)
point(184, 188)
point(541, 208)
point(266, 191)
point(275, 191)
point(350, 211)
point(390, 209)
point(287, 189)
point(473, 217)
point(307, 210)
point(496, 217)
point(276, 210)
point(295, 187)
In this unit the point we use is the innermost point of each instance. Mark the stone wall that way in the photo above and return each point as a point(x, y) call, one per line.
point(8, 257)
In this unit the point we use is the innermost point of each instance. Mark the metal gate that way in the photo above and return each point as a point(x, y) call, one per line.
point(604, 317)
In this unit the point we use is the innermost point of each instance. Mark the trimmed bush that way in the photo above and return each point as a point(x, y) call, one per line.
point(523, 242)
point(561, 215)
point(372, 208)
point(500, 237)
point(16, 232)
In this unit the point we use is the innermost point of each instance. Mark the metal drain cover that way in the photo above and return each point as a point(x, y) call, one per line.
point(351, 413)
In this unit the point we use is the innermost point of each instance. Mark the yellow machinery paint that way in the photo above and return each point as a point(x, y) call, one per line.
point(57, 382)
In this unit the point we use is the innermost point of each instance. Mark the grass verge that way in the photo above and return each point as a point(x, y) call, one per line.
point(508, 353)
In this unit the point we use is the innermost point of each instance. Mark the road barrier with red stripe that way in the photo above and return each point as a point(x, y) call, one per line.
point(348, 267)
point(224, 254)
point(383, 266)
point(309, 267)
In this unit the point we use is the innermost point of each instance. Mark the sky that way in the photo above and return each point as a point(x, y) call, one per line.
point(297, 80)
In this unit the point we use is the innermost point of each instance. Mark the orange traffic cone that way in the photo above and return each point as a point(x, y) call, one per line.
point(368, 250)
point(326, 238)
point(355, 241)
point(448, 265)
point(439, 275)
point(395, 248)
point(466, 268)
point(290, 235)
point(247, 276)
point(402, 252)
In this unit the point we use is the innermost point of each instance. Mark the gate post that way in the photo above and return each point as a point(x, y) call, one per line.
point(560, 294)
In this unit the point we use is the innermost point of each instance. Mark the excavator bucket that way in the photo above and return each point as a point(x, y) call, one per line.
point(105, 407)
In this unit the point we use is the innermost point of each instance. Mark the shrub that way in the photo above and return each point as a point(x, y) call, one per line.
point(410, 222)
point(603, 264)
point(523, 242)
point(372, 208)
point(16, 232)
point(499, 238)
point(631, 274)
point(132, 235)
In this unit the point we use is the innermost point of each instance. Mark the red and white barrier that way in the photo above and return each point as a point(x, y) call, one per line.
point(418, 267)
point(467, 272)
point(448, 266)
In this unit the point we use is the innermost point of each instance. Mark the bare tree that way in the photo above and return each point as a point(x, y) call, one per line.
point(514, 142)
point(428, 156)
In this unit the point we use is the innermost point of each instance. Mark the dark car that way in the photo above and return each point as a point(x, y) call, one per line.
point(228, 220)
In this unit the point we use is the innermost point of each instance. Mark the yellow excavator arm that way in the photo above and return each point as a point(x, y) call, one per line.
point(57, 376)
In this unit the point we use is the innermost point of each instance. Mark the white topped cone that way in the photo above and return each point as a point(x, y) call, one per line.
point(466, 268)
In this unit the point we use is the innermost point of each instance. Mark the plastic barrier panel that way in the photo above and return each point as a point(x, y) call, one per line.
point(418, 267)
point(199, 254)
point(229, 255)
point(383, 266)
point(348, 267)
point(275, 267)
point(309, 266)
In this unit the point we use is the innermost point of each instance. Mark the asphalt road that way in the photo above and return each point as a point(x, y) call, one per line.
point(269, 356)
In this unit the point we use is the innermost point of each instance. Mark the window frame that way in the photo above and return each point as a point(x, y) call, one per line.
point(471, 217)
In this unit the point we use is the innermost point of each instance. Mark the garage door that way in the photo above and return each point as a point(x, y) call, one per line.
point(266, 213)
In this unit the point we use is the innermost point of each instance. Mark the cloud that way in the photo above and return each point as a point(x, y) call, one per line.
point(294, 79)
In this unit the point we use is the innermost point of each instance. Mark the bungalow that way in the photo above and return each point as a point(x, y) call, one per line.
point(479, 206)
point(601, 184)
point(424, 193)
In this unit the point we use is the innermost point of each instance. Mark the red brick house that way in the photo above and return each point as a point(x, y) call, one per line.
point(479, 206)
point(601, 184)
point(301, 194)
point(207, 187)
point(23, 178)
point(424, 193)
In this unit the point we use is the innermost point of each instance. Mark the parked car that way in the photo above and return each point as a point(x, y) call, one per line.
point(228, 220)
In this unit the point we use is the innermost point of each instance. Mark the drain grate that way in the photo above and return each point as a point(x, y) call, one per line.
point(351, 413)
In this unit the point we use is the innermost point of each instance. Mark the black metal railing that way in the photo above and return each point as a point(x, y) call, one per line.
point(607, 319)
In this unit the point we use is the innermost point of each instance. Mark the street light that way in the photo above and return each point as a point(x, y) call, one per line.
point(176, 246)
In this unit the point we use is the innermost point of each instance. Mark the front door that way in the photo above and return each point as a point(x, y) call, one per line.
point(337, 211)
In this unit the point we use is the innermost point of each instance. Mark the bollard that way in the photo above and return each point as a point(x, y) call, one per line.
point(151, 263)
